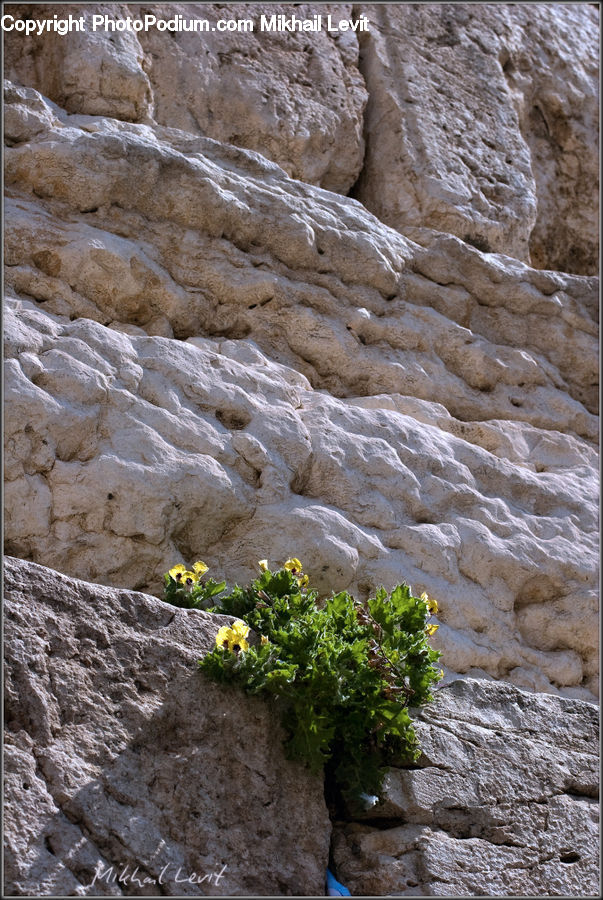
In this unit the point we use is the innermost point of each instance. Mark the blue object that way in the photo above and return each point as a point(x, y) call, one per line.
point(334, 889)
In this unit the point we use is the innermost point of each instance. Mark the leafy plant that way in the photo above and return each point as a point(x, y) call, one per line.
point(183, 587)
point(342, 671)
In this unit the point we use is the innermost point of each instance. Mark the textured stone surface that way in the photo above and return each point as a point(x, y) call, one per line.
point(482, 121)
point(211, 353)
point(92, 72)
point(316, 280)
point(295, 98)
point(502, 803)
point(119, 754)
point(383, 408)
point(371, 491)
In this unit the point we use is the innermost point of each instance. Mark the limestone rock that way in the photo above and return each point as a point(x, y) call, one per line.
point(295, 98)
point(208, 359)
point(318, 282)
point(122, 763)
point(127, 453)
point(93, 71)
point(502, 803)
point(482, 121)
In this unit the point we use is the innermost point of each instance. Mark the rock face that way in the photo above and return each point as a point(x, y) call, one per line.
point(207, 358)
point(482, 121)
point(295, 98)
point(122, 763)
point(331, 295)
point(503, 802)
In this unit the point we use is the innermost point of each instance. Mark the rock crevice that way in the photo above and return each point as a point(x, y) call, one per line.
point(492, 806)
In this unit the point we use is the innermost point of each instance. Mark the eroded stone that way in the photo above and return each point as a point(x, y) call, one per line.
point(504, 801)
point(123, 763)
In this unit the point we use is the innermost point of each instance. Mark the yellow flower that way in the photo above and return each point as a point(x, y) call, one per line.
point(240, 628)
point(263, 564)
point(302, 581)
point(240, 644)
point(432, 605)
point(239, 631)
point(222, 638)
point(294, 566)
point(264, 640)
point(233, 637)
point(431, 629)
point(199, 568)
point(188, 579)
point(176, 572)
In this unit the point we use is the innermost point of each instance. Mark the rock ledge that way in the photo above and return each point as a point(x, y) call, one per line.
point(120, 758)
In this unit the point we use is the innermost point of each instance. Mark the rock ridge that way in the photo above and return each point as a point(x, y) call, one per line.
point(120, 759)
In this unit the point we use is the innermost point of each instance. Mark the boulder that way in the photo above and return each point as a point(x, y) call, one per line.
point(503, 802)
point(126, 771)
point(296, 98)
point(482, 121)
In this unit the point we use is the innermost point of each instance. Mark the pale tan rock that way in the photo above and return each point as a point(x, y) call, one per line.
point(92, 72)
point(127, 453)
point(482, 121)
point(119, 754)
point(504, 802)
point(296, 98)
point(485, 335)
point(383, 408)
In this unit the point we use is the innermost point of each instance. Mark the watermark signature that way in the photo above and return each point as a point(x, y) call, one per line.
point(133, 876)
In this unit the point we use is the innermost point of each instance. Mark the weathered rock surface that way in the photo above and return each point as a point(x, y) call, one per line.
point(382, 408)
point(503, 802)
point(122, 762)
point(295, 98)
point(211, 353)
point(482, 121)
point(317, 281)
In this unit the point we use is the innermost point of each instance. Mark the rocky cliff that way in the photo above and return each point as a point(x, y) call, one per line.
point(213, 352)
point(128, 773)
point(330, 294)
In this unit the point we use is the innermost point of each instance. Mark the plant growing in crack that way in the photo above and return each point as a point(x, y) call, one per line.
point(341, 672)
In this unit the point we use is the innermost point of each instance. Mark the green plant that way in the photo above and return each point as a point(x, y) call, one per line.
point(343, 672)
point(183, 587)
